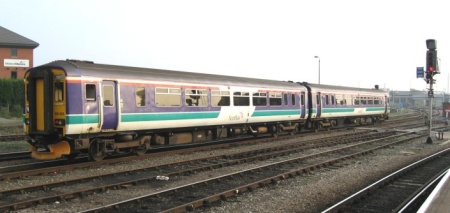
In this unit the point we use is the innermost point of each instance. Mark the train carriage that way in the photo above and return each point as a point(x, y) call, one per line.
point(337, 105)
point(79, 106)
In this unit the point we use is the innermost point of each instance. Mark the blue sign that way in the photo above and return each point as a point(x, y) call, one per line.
point(420, 73)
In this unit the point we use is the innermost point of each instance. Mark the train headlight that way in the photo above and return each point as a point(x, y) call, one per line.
point(60, 122)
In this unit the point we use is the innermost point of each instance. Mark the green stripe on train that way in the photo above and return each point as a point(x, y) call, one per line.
point(261, 113)
point(337, 110)
point(136, 117)
point(168, 116)
point(82, 119)
point(347, 110)
point(372, 109)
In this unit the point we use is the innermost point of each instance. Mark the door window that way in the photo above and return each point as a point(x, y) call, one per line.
point(108, 95)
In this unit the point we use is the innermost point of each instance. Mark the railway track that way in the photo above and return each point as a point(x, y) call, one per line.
point(399, 191)
point(61, 165)
point(14, 156)
point(45, 167)
point(271, 171)
point(205, 192)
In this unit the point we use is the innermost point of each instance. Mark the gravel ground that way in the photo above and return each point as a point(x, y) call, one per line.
point(323, 188)
point(312, 192)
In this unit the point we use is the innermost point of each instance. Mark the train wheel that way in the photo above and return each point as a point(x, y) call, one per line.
point(274, 131)
point(94, 151)
point(141, 150)
point(294, 131)
point(316, 126)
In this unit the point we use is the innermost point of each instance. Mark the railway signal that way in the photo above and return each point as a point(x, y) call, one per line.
point(431, 69)
point(432, 61)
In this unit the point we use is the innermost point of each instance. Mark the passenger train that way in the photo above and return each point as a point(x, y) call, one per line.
point(74, 107)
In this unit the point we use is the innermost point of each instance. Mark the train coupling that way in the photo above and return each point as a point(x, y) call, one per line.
point(53, 152)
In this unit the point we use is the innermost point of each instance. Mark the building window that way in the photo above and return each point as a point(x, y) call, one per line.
point(14, 74)
point(13, 52)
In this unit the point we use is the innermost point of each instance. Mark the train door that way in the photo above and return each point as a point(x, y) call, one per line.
point(40, 101)
point(109, 106)
point(319, 104)
point(302, 105)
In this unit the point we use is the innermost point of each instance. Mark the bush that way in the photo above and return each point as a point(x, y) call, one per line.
point(11, 97)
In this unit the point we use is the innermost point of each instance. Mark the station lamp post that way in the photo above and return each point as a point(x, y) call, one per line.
point(319, 66)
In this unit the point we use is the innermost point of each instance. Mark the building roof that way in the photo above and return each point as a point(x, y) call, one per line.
point(9, 38)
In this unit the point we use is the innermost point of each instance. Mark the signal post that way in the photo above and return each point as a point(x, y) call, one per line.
point(431, 69)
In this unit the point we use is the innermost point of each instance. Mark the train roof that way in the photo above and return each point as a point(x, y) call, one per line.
point(87, 68)
point(323, 87)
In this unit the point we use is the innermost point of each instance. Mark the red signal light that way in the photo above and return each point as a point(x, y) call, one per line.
point(431, 69)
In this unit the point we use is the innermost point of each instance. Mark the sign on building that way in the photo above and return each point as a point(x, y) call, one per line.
point(16, 63)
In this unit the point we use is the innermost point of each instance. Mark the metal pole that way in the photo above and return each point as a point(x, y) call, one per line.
point(319, 70)
point(319, 66)
point(429, 140)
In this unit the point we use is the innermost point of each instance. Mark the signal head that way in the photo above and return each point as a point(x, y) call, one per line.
point(431, 44)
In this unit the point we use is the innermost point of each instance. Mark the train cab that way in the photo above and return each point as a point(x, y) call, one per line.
point(45, 112)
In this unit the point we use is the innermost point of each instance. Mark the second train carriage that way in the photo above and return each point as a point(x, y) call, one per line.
point(78, 106)
point(337, 105)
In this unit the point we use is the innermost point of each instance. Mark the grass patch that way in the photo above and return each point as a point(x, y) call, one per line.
point(14, 146)
point(11, 130)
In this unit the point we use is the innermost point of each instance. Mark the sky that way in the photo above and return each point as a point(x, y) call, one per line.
point(359, 43)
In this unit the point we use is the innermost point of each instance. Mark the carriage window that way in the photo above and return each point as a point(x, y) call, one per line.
point(275, 99)
point(220, 98)
point(318, 99)
point(168, 97)
point(90, 92)
point(302, 99)
point(285, 99)
point(108, 95)
point(140, 96)
point(59, 91)
point(327, 100)
point(370, 101)
point(293, 99)
point(339, 100)
point(196, 97)
point(376, 101)
point(332, 100)
point(259, 99)
point(241, 98)
point(356, 100)
point(348, 100)
point(363, 100)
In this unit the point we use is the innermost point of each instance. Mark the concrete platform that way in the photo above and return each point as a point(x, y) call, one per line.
point(439, 200)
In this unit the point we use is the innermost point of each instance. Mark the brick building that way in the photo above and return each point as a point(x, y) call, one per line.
point(16, 53)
